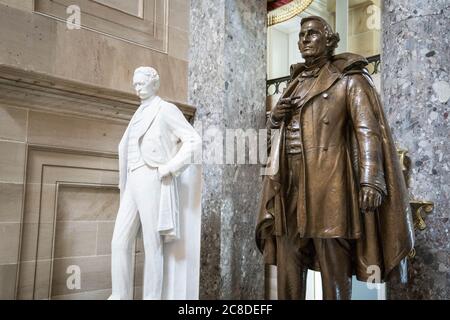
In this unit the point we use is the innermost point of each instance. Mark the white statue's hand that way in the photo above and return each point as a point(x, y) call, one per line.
point(163, 172)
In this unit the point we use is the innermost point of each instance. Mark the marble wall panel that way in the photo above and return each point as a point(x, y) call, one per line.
point(416, 93)
point(227, 80)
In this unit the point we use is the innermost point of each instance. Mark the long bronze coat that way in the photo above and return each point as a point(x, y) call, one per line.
point(346, 144)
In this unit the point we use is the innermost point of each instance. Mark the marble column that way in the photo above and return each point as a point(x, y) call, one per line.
point(416, 91)
point(227, 79)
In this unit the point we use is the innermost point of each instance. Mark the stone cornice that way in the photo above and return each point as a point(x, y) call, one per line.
point(34, 90)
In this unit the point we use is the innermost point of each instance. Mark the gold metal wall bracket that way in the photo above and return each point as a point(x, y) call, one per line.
point(420, 210)
point(405, 162)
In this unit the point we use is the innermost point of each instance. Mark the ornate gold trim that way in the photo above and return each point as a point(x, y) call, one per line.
point(405, 162)
point(420, 208)
point(287, 11)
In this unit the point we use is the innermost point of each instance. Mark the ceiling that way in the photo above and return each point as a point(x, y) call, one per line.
point(318, 7)
point(272, 4)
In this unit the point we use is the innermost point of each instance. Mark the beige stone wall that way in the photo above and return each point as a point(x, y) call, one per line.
point(38, 43)
point(67, 214)
point(58, 203)
point(65, 100)
point(13, 128)
point(362, 39)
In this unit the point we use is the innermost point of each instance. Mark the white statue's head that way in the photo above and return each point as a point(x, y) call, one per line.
point(146, 82)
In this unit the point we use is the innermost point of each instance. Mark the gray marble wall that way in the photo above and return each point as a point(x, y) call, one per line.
point(416, 92)
point(227, 76)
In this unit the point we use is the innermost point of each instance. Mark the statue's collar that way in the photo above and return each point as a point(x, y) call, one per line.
point(342, 62)
point(316, 63)
point(148, 102)
point(313, 69)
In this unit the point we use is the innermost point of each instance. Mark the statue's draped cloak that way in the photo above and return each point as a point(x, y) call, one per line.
point(383, 238)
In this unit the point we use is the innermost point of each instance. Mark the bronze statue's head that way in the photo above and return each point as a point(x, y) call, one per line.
point(316, 38)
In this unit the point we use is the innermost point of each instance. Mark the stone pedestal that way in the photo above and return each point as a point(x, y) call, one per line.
point(416, 92)
point(227, 79)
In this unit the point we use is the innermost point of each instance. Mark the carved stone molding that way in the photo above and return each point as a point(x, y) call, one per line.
point(144, 23)
point(59, 230)
point(33, 90)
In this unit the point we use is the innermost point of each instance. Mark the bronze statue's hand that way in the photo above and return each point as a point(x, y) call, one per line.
point(369, 199)
point(281, 109)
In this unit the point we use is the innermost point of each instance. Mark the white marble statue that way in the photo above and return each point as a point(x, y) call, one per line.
point(154, 153)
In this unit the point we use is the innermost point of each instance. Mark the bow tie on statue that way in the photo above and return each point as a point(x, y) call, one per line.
point(311, 73)
point(313, 69)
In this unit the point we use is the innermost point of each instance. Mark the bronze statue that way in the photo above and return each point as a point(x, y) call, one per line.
point(338, 203)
